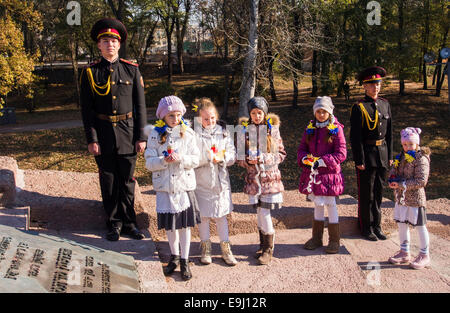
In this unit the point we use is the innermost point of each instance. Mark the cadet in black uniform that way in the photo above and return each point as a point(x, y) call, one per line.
point(371, 141)
point(114, 115)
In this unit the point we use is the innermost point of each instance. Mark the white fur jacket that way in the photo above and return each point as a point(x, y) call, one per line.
point(172, 177)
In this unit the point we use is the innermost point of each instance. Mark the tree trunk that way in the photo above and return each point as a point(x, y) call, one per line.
point(273, 94)
point(169, 57)
point(148, 43)
point(399, 46)
point(425, 43)
point(314, 75)
point(248, 76)
point(434, 75)
point(73, 56)
point(295, 87)
point(228, 66)
point(439, 67)
point(179, 46)
point(345, 58)
point(297, 54)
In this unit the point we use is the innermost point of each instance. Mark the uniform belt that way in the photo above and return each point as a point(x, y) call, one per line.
point(115, 118)
point(378, 142)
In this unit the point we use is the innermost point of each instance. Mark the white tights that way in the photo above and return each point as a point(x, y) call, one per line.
point(322, 202)
point(222, 228)
point(405, 239)
point(179, 238)
point(265, 221)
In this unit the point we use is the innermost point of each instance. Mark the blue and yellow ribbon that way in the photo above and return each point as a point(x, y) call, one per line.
point(183, 124)
point(397, 160)
point(269, 122)
point(410, 156)
point(310, 128)
point(160, 126)
point(333, 129)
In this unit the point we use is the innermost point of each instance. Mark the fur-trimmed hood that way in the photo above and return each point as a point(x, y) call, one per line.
point(425, 151)
point(275, 119)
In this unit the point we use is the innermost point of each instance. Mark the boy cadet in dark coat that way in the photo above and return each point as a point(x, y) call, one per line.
point(371, 142)
point(114, 115)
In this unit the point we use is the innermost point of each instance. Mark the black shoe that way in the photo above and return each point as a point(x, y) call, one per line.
point(113, 234)
point(185, 270)
point(172, 265)
point(370, 236)
point(134, 233)
point(380, 235)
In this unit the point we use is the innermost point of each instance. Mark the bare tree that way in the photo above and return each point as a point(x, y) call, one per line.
point(248, 76)
point(183, 12)
point(166, 13)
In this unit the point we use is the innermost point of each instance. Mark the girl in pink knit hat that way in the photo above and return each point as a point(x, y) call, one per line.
point(171, 156)
point(408, 179)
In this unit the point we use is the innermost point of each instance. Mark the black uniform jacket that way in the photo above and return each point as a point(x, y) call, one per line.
point(126, 95)
point(369, 154)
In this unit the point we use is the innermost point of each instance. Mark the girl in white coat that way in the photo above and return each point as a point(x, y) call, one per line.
point(171, 156)
point(213, 191)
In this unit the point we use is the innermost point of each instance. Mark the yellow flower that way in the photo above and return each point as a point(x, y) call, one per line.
point(160, 123)
point(396, 162)
point(331, 126)
point(245, 124)
point(195, 108)
point(409, 158)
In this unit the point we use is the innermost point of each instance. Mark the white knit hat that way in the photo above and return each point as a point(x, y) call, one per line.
point(324, 103)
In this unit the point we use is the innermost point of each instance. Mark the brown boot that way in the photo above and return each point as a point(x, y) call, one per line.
point(317, 234)
point(259, 252)
point(267, 252)
point(334, 236)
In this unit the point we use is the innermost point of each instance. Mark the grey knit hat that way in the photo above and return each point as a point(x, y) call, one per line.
point(324, 103)
point(258, 103)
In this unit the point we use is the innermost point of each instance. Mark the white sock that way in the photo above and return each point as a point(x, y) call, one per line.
point(174, 242)
point(222, 228)
point(333, 216)
point(203, 229)
point(403, 234)
point(319, 213)
point(266, 221)
point(185, 242)
point(424, 239)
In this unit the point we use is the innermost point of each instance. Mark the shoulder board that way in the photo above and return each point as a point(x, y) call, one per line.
point(93, 63)
point(381, 98)
point(129, 62)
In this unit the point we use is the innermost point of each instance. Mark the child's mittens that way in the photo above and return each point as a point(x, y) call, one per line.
point(319, 163)
point(210, 154)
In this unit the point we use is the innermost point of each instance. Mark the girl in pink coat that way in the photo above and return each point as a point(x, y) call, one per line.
point(320, 154)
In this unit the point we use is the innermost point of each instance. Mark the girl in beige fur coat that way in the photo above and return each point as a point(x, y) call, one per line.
point(263, 151)
point(408, 179)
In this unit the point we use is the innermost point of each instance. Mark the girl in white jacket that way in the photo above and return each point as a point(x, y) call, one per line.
point(213, 191)
point(171, 156)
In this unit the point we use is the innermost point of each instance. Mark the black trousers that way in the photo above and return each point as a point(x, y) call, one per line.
point(117, 185)
point(370, 193)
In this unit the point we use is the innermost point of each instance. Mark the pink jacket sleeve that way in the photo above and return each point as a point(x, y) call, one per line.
point(339, 153)
point(303, 150)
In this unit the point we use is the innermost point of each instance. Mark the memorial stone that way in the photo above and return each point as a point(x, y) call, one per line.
point(33, 262)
